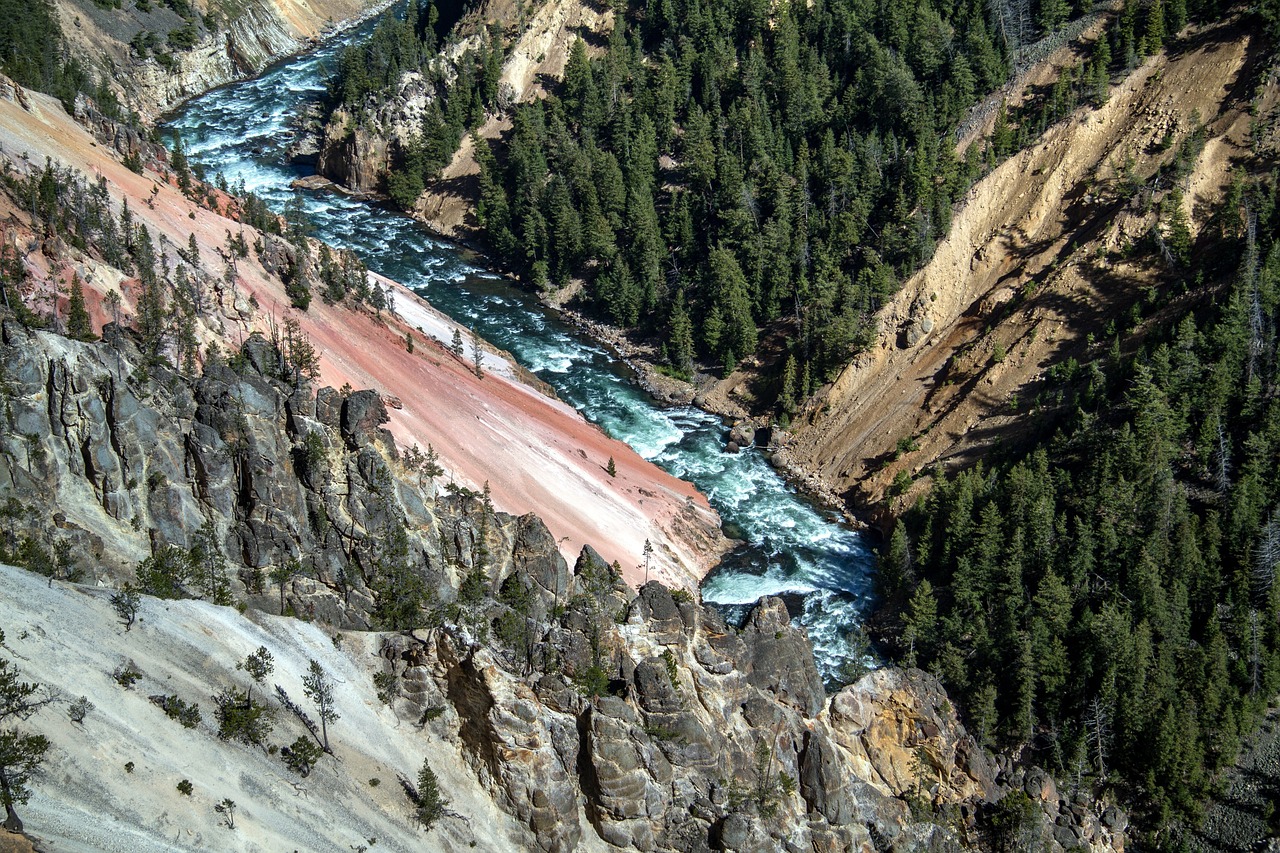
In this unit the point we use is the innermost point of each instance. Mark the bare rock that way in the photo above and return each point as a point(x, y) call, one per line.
point(780, 659)
point(891, 719)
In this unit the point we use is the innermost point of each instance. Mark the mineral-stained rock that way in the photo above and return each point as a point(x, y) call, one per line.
point(893, 719)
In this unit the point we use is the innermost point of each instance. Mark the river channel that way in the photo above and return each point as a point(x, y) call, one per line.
point(790, 546)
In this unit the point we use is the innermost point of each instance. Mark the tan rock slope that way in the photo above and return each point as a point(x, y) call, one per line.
point(1035, 262)
point(249, 36)
point(537, 454)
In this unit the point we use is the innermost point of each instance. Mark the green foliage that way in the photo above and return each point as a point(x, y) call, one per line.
point(243, 718)
point(386, 685)
point(79, 709)
point(227, 811)
point(79, 326)
point(786, 159)
point(1116, 585)
point(33, 52)
point(592, 681)
point(318, 687)
point(400, 588)
point(301, 755)
point(1014, 822)
point(208, 565)
point(21, 754)
point(186, 713)
point(126, 675)
point(165, 573)
point(430, 802)
point(185, 787)
point(258, 665)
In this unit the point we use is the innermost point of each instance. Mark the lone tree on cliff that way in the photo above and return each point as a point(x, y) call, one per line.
point(319, 689)
point(20, 753)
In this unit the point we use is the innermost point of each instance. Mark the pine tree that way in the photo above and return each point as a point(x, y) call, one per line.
point(787, 394)
point(1153, 36)
point(210, 565)
point(318, 687)
point(21, 754)
point(431, 804)
point(79, 325)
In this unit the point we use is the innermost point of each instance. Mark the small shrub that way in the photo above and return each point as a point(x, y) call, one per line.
point(375, 782)
point(242, 718)
point(185, 787)
point(227, 808)
point(126, 674)
point(385, 683)
point(80, 709)
point(126, 603)
point(673, 673)
point(128, 767)
point(188, 714)
point(301, 755)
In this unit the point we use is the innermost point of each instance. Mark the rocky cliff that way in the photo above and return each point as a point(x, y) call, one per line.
point(158, 54)
point(628, 722)
point(536, 453)
point(566, 711)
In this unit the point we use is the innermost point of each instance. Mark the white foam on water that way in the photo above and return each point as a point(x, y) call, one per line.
point(793, 548)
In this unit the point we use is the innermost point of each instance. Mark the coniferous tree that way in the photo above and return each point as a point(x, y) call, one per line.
point(79, 325)
point(21, 754)
point(318, 687)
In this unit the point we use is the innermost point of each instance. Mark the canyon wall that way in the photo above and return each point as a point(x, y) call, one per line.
point(1033, 270)
point(229, 42)
point(536, 453)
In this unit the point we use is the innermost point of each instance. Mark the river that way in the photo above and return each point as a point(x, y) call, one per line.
point(790, 546)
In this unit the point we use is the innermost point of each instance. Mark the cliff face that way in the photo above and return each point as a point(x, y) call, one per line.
point(536, 453)
point(1034, 266)
point(357, 143)
point(564, 711)
point(225, 42)
point(695, 737)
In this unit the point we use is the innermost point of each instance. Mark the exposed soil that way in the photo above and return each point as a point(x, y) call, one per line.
point(537, 453)
point(1037, 260)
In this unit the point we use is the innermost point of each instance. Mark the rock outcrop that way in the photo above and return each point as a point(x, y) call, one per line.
point(593, 716)
point(199, 50)
point(538, 454)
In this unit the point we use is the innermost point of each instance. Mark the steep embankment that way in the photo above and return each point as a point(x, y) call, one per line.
point(160, 53)
point(110, 783)
point(537, 454)
point(715, 739)
point(1033, 270)
point(357, 143)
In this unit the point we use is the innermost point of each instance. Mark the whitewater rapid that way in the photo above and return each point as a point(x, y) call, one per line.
point(790, 547)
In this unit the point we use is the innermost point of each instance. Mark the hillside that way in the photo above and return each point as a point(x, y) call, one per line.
point(1037, 263)
point(156, 54)
point(536, 453)
point(717, 738)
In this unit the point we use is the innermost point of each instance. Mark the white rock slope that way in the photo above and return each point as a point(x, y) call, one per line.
point(68, 638)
